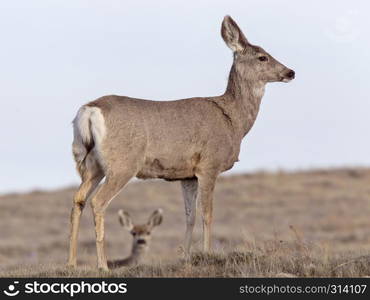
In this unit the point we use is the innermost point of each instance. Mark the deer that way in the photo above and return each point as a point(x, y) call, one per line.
point(141, 237)
point(190, 140)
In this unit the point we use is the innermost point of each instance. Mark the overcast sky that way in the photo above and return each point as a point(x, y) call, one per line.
point(57, 55)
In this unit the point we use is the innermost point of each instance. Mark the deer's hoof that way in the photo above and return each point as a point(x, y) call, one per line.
point(71, 266)
point(103, 269)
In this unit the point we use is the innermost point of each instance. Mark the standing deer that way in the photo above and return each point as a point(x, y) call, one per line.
point(191, 140)
point(141, 237)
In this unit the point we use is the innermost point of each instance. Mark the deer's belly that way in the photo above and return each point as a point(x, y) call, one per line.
point(168, 170)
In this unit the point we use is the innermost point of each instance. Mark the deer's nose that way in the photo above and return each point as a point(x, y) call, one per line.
point(141, 241)
point(290, 74)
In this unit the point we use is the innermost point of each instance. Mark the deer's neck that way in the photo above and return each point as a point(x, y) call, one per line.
point(244, 94)
point(137, 254)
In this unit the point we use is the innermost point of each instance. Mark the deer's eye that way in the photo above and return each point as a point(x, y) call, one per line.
point(263, 58)
point(133, 233)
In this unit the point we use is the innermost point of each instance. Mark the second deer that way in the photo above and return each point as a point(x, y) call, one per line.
point(141, 237)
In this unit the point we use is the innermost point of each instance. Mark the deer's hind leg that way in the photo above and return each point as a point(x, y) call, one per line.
point(91, 174)
point(113, 184)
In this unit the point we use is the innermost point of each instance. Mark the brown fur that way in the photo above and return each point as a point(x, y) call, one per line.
point(192, 140)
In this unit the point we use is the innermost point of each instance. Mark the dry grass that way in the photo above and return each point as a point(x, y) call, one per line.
point(314, 223)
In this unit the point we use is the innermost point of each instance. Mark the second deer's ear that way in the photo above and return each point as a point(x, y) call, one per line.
point(125, 219)
point(232, 35)
point(156, 218)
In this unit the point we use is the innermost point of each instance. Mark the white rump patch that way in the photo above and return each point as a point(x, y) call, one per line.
point(97, 125)
point(88, 126)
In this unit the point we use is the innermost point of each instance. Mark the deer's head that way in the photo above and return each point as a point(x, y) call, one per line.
point(252, 61)
point(141, 233)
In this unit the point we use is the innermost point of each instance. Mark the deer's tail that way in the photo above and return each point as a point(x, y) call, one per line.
point(88, 131)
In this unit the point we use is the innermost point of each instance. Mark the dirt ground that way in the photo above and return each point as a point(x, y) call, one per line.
point(311, 223)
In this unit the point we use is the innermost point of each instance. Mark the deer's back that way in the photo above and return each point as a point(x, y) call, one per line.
point(171, 139)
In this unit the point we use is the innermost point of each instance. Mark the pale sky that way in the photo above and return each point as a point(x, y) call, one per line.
point(57, 55)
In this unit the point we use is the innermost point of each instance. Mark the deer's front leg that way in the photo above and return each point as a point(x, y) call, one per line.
point(189, 190)
point(206, 184)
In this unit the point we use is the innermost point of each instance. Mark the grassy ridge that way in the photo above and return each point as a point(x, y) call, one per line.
point(313, 223)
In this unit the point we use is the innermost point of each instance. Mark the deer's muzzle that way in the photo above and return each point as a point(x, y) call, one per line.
point(288, 76)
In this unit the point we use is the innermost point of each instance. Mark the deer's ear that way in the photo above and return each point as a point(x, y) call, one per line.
point(232, 35)
point(125, 219)
point(156, 218)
